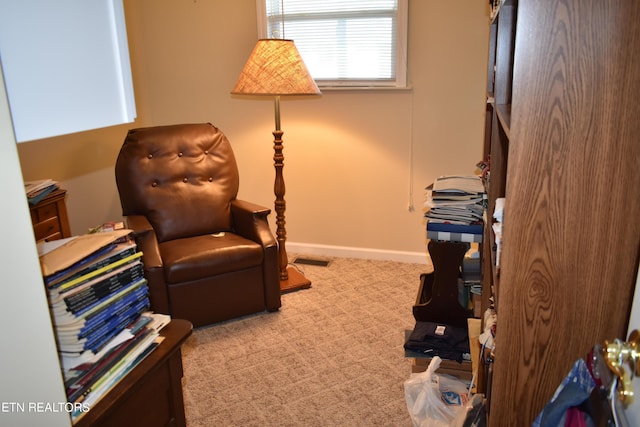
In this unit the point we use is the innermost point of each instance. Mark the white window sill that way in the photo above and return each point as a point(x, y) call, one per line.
point(326, 89)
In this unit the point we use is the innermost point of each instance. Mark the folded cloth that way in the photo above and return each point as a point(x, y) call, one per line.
point(437, 339)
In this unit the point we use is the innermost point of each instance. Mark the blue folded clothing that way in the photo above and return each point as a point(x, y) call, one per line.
point(454, 228)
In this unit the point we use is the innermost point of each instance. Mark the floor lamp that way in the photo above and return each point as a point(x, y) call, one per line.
point(275, 68)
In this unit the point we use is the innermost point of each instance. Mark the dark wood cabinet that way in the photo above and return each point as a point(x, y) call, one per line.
point(151, 394)
point(564, 138)
point(49, 217)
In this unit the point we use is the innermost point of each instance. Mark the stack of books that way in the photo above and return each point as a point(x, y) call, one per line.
point(99, 302)
point(455, 208)
point(38, 190)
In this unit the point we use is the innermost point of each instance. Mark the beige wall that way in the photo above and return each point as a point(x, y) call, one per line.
point(354, 161)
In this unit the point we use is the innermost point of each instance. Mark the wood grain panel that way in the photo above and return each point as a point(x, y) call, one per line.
point(571, 232)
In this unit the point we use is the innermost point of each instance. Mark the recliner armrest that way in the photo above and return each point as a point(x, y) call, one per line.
point(147, 243)
point(250, 221)
point(146, 239)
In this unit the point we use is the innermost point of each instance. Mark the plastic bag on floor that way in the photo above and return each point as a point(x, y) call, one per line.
point(435, 400)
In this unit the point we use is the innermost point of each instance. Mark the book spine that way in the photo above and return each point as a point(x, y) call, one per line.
point(102, 289)
point(129, 315)
point(110, 315)
point(85, 369)
point(116, 306)
point(84, 261)
point(103, 300)
point(142, 322)
point(454, 228)
point(97, 342)
point(80, 384)
point(67, 286)
point(115, 374)
point(52, 282)
point(101, 336)
point(67, 320)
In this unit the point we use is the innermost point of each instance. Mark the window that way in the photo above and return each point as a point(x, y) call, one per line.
point(72, 74)
point(355, 43)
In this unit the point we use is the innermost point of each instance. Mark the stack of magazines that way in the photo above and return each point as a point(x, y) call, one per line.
point(455, 208)
point(99, 302)
point(38, 190)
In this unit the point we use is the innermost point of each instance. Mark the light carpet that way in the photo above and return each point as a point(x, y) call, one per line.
point(332, 356)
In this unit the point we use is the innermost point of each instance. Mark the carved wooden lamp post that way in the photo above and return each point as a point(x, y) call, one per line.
point(276, 68)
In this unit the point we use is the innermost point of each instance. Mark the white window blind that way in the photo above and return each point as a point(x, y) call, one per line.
point(355, 43)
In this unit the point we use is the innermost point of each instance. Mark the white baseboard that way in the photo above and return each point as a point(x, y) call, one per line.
point(363, 253)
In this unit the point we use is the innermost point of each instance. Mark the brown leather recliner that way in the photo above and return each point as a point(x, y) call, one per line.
point(207, 256)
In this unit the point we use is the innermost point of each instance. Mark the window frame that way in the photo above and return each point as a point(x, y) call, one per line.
point(400, 81)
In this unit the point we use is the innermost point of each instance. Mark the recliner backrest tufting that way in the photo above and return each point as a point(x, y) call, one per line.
point(181, 177)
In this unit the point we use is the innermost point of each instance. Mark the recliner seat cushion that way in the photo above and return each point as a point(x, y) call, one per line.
point(197, 257)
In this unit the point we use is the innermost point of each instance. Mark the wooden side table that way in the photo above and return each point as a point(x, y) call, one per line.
point(437, 299)
point(49, 217)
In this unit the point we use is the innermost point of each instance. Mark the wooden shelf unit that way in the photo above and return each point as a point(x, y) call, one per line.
point(497, 133)
point(563, 135)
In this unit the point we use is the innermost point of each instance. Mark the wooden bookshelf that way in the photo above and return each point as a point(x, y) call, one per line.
point(562, 133)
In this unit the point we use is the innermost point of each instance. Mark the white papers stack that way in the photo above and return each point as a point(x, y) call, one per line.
point(456, 199)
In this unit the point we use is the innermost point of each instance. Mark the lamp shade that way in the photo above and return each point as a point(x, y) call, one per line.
point(275, 67)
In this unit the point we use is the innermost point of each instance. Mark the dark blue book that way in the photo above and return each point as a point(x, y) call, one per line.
point(455, 228)
point(104, 333)
point(97, 342)
point(115, 307)
point(112, 321)
point(71, 342)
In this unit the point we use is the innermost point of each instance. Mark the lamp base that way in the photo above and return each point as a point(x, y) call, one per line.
point(295, 282)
